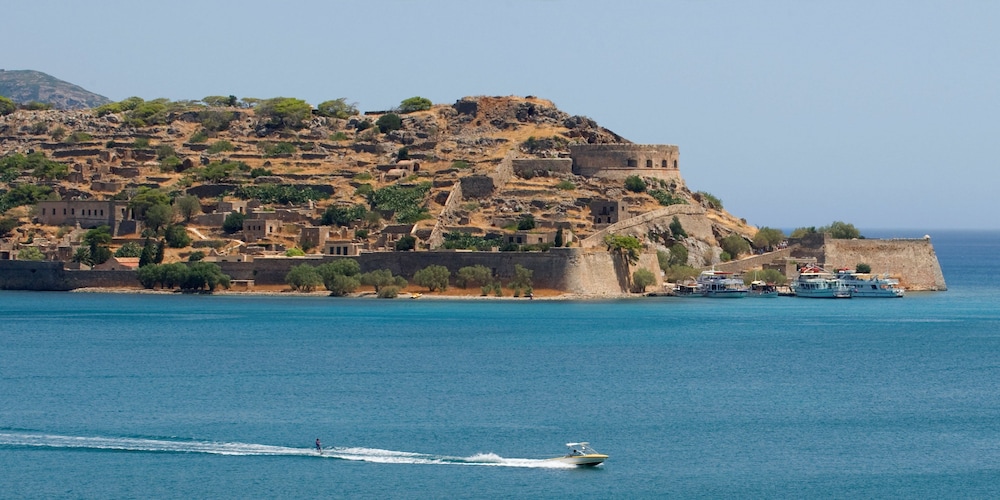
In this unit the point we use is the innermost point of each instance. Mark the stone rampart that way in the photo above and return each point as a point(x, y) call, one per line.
point(446, 217)
point(53, 276)
point(912, 261)
point(618, 161)
point(691, 217)
point(532, 167)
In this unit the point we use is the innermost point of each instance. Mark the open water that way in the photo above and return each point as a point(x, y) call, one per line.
point(138, 396)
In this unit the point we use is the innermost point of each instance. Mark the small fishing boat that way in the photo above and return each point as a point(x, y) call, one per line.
point(583, 455)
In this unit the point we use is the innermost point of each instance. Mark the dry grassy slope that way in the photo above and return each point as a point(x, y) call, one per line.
point(439, 137)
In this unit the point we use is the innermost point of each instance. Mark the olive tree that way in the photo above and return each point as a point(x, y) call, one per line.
point(434, 277)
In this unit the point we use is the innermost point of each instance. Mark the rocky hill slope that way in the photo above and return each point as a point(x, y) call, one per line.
point(194, 148)
point(24, 86)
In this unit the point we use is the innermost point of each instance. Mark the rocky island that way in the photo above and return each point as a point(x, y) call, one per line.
point(539, 199)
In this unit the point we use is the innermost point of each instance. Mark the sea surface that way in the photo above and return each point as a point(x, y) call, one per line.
point(171, 396)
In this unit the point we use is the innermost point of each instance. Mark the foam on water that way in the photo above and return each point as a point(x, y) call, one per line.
point(374, 455)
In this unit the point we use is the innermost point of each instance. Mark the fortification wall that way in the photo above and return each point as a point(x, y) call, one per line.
point(53, 276)
point(912, 261)
point(691, 217)
point(446, 217)
point(618, 161)
point(531, 167)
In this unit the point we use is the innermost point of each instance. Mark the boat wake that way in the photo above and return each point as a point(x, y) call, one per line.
point(172, 445)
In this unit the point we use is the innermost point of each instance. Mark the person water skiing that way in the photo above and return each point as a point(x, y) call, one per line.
point(319, 447)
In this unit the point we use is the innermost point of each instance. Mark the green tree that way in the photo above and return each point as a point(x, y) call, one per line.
point(145, 198)
point(7, 106)
point(522, 278)
point(158, 216)
point(678, 255)
point(336, 215)
point(204, 276)
point(30, 253)
point(768, 237)
point(735, 245)
point(415, 103)
point(340, 277)
point(406, 243)
point(219, 147)
point(188, 206)
point(382, 278)
point(97, 241)
point(765, 275)
point(304, 278)
point(24, 194)
point(526, 223)
point(176, 236)
point(7, 225)
point(677, 230)
point(389, 122)
point(434, 277)
point(802, 232)
point(626, 247)
point(337, 108)
point(284, 112)
point(340, 285)
point(842, 231)
point(559, 238)
point(478, 275)
point(129, 249)
point(635, 184)
point(148, 253)
point(294, 252)
point(863, 268)
point(641, 279)
point(233, 222)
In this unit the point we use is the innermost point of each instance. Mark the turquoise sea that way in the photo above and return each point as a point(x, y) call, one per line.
point(153, 396)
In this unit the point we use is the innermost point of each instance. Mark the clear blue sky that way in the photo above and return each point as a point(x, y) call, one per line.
point(794, 113)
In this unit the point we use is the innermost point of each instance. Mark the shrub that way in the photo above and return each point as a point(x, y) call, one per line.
point(294, 252)
point(219, 146)
point(678, 255)
point(199, 137)
point(233, 222)
point(389, 122)
point(196, 256)
point(522, 278)
point(303, 277)
point(7, 225)
point(30, 253)
point(664, 198)
point(272, 149)
point(526, 223)
point(863, 268)
point(382, 278)
point(38, 128)
point(340, 285)
point(338, 136)
point(388, 292)
point(434, 277)
point(841, 231)
point(282, 112)
point(260, 171)
point(335, 215)
point(709, 199)
point(406, 243)
point(415, 104)
point(188, 206)
point(641, 279)
point(58, 133)
point(460, 164)
point(635, 184)
point(7, 106)
point(478, 275)
point(129, 249)
point(676, 229)
point(336, 108)
point(176, 236)
point(767, 237)
point(734, 245)
point(566, 185)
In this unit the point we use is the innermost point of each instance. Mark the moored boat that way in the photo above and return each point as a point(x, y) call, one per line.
point(582, 454)
point(760, 289)
point(816, 283)
point(721, 285)
point(865, 285)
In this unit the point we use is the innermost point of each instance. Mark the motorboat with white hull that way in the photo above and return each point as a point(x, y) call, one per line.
point(721, 285)
point(583, 455)
point(816, 283)
point(864, 285)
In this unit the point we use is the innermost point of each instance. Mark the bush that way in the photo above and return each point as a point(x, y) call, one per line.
point(219, 146)
point(841, 231)
point(337, 108)
point(7, 225)
point(735, 245)
point(709, 199)
point(260, 171)
point(389, 122)
point(666, 199)
point(526, 223)
point(566, 185)
point(338, 136)
point(477, 275)
point(641, 279)
point(522, 278)
point(7, 106)
point(294, 252)
point(433, 277)
point(129, 249)
point(382, 278)
point(196, 256)
point(863, 268)
point(340, 285)
point(767, 237)
point(415, 104)
point(278, 193)
point(30, 253)
point(176, 236)
point(677, 230)
point(282, 112)
point(233, 222)
point(406, 243)
point(199, 137)
point(635, 184)
point(335, 215)
point(388, 292)
point(304, 278)
point(272, 149)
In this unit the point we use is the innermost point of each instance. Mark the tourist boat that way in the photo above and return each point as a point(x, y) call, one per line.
point(868, 285)
point(761, 289)
point(721, 285)
point(582, 454)
point(687, 289)
point(816, 283)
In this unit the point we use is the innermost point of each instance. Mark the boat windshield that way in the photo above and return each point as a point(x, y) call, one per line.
point(581, 449)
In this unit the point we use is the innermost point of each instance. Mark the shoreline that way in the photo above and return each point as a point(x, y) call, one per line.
point(547, 295)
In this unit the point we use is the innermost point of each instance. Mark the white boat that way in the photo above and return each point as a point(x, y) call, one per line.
point(867, 285)
point(816, 283)
point(582, 454)
point(721, 285)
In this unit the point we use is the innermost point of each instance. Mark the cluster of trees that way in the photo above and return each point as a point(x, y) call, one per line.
point(408, 202)
point(838, 230)
point(8, 106)
point(344, 276)
point(35, 164)
point(278, 193)
point(193, 277)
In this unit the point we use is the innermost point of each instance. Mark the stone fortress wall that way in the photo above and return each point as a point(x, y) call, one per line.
point(618, 161)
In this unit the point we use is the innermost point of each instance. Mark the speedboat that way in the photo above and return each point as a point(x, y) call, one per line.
point(815, 283)
point(721, 285)
point(869, 285)
point(582, 454)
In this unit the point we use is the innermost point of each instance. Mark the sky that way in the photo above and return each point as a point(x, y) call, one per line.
point(793, 113)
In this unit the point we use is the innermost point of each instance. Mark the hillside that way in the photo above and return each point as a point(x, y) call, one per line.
point(24, 86)
point(210, 151)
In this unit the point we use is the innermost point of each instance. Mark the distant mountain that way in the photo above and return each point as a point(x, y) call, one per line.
point(23, 86)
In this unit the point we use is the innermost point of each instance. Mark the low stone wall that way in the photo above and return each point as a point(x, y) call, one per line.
point(691, 217)
point(53, 276)
point(912, 261)
point(531, 167)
